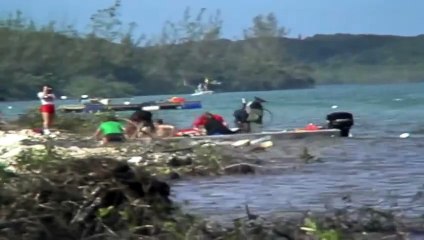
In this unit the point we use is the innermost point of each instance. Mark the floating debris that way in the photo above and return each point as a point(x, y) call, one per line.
point(404, 135)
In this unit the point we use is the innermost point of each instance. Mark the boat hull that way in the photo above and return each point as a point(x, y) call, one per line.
point(272, 135)
point(202, 93)
point(148, 106)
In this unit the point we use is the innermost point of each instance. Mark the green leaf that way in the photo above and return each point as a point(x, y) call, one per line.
point(104, 212)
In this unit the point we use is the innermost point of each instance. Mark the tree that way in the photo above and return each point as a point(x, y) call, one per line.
point(105, 23)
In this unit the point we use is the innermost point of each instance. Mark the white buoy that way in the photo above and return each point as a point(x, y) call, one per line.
point(63, 97)
point(334, 106)
point(404, 135)
point(9, 107)
point(126, 103)
point(397, 99)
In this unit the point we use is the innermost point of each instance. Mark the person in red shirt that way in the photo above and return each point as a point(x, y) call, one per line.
point(201, 120)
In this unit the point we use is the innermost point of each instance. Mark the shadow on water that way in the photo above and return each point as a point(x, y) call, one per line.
point(382, 173)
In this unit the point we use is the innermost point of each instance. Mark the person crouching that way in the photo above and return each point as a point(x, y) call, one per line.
point(215, 127)
point(110, 130)
point(164, 130)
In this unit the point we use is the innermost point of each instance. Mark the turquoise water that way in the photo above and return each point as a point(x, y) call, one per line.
point(379, 110)
point(375, 166)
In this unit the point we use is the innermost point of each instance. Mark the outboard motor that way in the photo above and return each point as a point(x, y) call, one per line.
point(342, 121)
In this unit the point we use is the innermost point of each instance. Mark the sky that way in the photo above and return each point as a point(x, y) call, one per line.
point(301, 17)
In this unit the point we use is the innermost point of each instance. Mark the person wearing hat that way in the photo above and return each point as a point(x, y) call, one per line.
point(255, 113)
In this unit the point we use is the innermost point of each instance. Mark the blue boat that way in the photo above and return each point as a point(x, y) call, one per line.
point(148, 106)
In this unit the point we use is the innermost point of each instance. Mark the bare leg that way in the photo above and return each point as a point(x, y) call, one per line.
point(50, 120)
point(45, 117)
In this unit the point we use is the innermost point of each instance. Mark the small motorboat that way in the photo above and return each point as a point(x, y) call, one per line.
point(272, 135)
point(338, 124)
point(203, 89)
point(201, 92)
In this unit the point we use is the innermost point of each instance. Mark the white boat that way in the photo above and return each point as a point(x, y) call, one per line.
point(272, 135)
point(198, 93)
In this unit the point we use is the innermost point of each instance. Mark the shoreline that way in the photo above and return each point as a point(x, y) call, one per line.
point(186, 159)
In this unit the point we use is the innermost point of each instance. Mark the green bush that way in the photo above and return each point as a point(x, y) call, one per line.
point(69, 122)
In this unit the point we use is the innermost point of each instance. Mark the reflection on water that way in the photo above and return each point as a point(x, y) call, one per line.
point(356, 172)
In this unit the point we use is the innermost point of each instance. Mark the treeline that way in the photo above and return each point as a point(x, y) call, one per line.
point(111, 61)
point(346, 58)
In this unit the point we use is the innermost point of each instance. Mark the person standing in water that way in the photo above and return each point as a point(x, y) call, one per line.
point(255, 111)
point(47, 108)
point(240, 118)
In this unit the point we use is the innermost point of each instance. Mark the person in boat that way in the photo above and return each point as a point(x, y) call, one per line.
point(205, 85)
point(200, 87)
point(110, 130)
point(213, 126)
point(201, 120)
point(140, 124)
point(164, 130)
point(47, 108)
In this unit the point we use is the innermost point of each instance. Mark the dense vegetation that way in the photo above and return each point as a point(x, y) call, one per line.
point(111, 61)
point(344, 58)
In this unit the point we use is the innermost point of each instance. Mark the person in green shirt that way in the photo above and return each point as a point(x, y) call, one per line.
point(111, 130)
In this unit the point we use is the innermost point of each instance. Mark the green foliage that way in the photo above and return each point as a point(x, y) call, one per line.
point(88, 84)
point(71, 122)
point(111, 61)
point(311, 227)
point(35, 159)
point(345, 58)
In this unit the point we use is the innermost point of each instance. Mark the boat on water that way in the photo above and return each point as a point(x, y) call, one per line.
point(338, 125)
point(201, 92)
point(203, 88)
point(105, 105)
point(266, 135)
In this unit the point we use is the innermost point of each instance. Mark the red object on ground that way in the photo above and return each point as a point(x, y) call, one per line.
point(187, 132)
point(201, 121)
point(177, 100)
point(38, 130)
point(311, 127)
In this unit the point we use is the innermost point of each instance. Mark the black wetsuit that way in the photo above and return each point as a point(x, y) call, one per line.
point(214, 126)
point(241, 115)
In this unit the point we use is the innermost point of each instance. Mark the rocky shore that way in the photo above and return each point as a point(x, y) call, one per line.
point(160, 157)
point(66, 186)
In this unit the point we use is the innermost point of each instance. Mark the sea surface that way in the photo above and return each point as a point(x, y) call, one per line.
point(375, 167)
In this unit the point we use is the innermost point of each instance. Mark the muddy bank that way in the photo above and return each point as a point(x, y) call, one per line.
point(103, 198)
